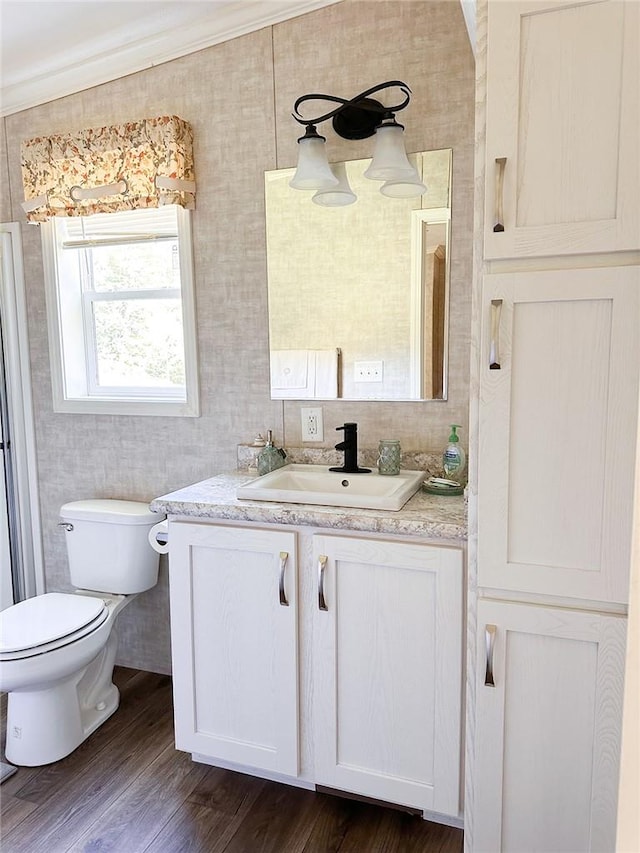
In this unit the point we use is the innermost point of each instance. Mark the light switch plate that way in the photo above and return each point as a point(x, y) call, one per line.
point(367, 371)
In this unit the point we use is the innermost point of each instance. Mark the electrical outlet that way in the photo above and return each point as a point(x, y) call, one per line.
point(367, 371)
point(312, 428)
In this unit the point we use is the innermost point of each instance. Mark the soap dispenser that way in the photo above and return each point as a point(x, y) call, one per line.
point(453, 458)
point(270, 457)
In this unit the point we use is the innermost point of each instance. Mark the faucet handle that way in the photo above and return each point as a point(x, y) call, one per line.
point(350, 436)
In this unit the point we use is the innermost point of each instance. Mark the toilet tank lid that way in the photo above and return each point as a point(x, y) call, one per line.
point(111, 511)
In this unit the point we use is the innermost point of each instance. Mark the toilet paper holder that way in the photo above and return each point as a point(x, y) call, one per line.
point(159, 537)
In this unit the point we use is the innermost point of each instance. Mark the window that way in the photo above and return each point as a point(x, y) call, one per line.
point(121, 312)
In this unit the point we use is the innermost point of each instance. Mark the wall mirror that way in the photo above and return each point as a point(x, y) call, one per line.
point(358, 295)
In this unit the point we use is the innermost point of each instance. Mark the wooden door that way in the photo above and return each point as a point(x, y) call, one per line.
point(562, 113)
point(549, 692)
point(388, 671)
point(557, 431)
point(234, 644)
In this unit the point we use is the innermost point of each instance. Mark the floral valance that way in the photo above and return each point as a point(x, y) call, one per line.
point(144, 163)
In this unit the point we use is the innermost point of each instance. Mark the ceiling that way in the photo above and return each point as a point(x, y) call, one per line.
point(52, 49)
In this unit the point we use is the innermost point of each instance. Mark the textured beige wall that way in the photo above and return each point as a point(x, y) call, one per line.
point(341, 50)
point(238, 97)
point(5, 194)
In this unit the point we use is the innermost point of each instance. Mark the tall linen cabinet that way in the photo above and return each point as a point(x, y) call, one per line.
point(554, 420)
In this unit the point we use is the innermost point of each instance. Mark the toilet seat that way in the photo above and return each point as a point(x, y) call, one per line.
point(50, 621)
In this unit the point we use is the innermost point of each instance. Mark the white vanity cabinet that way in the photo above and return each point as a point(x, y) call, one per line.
point(340, 668)
point(549, 704)
point(387, 670)
point(234, 639)
point(562, 124)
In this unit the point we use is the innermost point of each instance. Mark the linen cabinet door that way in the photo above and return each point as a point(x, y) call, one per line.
point(562, 159)
point(557, 431)
point(234, 644)
point(548, 722)
point(387, 671)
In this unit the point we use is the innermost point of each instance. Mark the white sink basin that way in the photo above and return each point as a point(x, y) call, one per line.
point(316, 484)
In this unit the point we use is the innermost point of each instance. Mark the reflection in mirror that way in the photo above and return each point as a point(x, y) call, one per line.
point(358, 295)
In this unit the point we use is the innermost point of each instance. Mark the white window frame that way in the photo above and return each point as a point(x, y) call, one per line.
point(70, 336)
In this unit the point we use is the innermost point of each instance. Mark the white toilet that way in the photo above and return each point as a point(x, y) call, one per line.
point(57, 650)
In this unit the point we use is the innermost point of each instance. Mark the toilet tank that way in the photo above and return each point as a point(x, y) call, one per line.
point(108, 545)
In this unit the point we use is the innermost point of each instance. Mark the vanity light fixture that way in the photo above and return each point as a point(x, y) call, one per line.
point(358, 118)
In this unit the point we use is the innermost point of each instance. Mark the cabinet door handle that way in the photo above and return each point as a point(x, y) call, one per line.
point(494, 348)
point(322, 562)
point(501, 162)
point(283, 566)
point(489, 641)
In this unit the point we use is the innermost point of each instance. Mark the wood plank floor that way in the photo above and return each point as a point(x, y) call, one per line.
point(127, 790)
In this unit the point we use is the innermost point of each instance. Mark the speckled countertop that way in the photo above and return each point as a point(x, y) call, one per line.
point(427, 516)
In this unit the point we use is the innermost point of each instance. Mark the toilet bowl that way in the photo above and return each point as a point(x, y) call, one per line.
point(57, 650)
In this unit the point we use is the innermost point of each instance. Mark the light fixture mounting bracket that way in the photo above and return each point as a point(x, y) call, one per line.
point(357, 117)
point(358, 121)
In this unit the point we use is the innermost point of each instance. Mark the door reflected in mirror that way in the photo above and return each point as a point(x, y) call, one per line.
point(358, 295)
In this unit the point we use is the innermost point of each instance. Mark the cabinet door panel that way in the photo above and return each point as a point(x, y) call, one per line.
point(387, 672)
point(562, 108)
point(557, 432)
point(548, 730)
point(234, 644)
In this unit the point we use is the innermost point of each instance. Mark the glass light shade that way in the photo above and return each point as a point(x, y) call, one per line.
point(406, 188)
point(338, 196)
point(313, 172)
point(389, 161)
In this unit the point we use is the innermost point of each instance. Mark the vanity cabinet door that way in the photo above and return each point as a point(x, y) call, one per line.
point(557, 431)
point(549, 689)
point(234, 644)
point(562, 113)
point(388, 671)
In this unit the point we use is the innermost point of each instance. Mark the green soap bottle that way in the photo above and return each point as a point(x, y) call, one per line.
point(453, 458)
point(270, 457)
